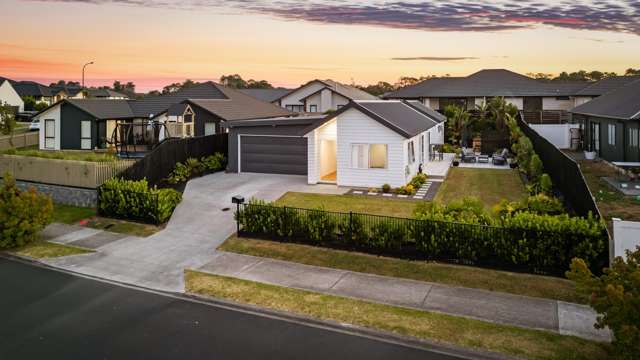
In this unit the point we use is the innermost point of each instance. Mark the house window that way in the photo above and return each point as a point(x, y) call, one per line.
point(378, 156)
point(612, 134)
point(313, 108)
point(49, 133)
point(209, 128)
point(85, 135)
point(295, 108)
point(359, 156)
point(411, 153)
point(562, 98)
point(422, 148)
point(369, 156)
point(633, 137)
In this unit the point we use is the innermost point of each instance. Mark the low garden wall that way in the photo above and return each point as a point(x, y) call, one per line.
point(63, 194)
point(519, 243)
point(81, 174)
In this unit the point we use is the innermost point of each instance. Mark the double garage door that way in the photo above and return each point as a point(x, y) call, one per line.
point(273, 155)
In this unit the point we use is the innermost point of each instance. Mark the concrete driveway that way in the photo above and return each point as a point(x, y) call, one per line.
point(202, 221)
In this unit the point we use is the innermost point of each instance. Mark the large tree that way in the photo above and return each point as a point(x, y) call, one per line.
point(237, 82)
point(584, 75)
point(7, 121)
point(632, 72)
point(381, 88)
point(128, 87)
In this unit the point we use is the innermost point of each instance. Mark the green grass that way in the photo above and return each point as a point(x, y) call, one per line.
point(489, 185)
point(509, 340)
point(63, 155)
point(76, 215)
point(44, 249)
point(345, 203)
point(456, 275)
point(68, 214)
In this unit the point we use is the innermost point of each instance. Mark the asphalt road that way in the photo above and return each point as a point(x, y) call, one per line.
point(46, 314)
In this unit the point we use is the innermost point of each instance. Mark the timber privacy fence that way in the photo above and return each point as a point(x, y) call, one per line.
point(20, 140)
point(82, 174)
point(159, 163)
point(531, 249)
point(564, 172)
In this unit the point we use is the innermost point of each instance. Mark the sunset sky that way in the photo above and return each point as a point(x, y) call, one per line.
point(153, 43)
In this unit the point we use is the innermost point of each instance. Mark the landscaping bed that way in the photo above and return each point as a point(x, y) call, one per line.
point(80, 155)
point(455, 275)
point(508, 340)
point(45, 249)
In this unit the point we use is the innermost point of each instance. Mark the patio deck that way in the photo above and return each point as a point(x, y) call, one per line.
point(438, 168)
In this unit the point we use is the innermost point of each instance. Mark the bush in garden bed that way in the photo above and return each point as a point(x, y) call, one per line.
point(196, 167)
point(136, 200)
point(462, 232)
point(22, 214)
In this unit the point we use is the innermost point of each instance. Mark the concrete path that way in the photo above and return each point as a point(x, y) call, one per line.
point(528, 312)
point(202, 221)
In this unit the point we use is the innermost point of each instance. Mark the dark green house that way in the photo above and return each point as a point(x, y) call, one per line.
point(611, 124)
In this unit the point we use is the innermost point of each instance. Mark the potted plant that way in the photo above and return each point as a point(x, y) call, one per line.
point(512, 163)
point(589, 154)
point(456, 161)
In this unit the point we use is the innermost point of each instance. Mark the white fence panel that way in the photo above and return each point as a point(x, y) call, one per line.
point(557, 134)
point(626, 236)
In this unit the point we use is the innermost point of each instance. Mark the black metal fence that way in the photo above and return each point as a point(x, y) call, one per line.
point(564, 172)
point(157, 164)
point(528, 249)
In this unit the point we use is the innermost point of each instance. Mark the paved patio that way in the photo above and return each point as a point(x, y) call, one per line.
point(557, 316)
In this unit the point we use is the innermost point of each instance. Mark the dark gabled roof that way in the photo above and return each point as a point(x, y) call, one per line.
point(105, 93)
point(623, 103)
point(349, 92)
point(606, 85)
point(101, 109)
point(492, 82)
point(3, 79)
point(238, 106)
point(397, 115)
point(434, 115)
point(70, 90)
point(31, 88)
point(155, 105)
point(268, 95)
point(177, 109)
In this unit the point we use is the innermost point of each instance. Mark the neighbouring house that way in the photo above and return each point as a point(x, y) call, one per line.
point(68, 91)
point(85, 124)
point(267, 95)
point(105, 94)
point(8, 95)
point(366, 143)
point(540, 101)
point(39, 92)
point(602, 87)
point(611, 123)
point(320, 96)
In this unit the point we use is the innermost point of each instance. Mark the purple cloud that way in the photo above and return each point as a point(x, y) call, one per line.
point(447, 15)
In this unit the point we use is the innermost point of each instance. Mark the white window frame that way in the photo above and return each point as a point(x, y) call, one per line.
point(363, 160)
point(85, 141)
point(611, 134)
point(313, 108)
point(411, 152)
point(386, 156)
point(633, 137)
point(205, 128)
point(47, 136)
point(422, 148)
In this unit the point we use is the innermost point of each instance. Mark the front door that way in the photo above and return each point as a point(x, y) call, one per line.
point(595, 137)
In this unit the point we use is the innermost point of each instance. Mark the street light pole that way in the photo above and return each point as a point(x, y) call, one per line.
point(84, 66)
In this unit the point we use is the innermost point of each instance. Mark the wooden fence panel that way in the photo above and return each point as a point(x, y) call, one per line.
point(20, 140)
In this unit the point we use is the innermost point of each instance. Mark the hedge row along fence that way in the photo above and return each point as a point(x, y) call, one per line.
point(127, 199)
point(516, 245)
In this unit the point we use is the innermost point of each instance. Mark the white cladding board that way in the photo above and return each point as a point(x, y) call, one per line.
point(626, 236)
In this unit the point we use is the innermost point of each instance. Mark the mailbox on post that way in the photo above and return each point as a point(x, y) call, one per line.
point(238, 199)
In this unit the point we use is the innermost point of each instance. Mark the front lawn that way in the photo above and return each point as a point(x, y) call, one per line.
point(76, 215)
point(344, 203)
point(489, 185)
point(509, 340)
point(456, 275)
point(91, 156)
point(45, 249)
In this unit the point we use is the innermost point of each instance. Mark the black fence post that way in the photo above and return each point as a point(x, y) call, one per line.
point(351, 227)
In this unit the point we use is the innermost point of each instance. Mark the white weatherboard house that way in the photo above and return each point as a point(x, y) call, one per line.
point(371, 143)
point(319, 96)
point(8, 95)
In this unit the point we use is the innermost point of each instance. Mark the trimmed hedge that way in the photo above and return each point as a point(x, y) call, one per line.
point(523, 241)
point(136, 200)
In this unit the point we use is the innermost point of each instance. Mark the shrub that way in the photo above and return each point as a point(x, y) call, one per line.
point(194, 167)
point(386, 188)
point(405, 190)
point(214, 162)
point(388, 235)
point(545, 185)
point(136, 200)
point(540, 204)
point(180, 174)
point(535, 168)
point(616, 297)
point(23, 214)
point(467, 210)
point(418, 180)
point(524, 151)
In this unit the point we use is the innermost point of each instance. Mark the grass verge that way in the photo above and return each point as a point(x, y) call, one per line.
point(488, 185)
point(68, 214)
point(345, 203)
point(514, 341)
point(44, 249)
point(456, 275)
point(63, 154)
